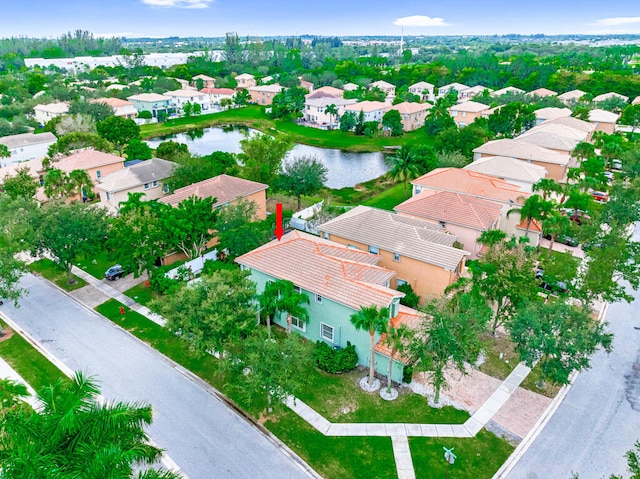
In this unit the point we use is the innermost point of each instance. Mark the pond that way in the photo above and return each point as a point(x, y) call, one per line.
point(345, 168)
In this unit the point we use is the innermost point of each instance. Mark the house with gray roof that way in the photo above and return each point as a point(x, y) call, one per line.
point(26, 147)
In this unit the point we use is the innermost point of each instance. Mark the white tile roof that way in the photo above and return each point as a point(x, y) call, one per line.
point(27, 139)
point(523, 151)
point(508, 168)
point(603, 116)
point(146, 171)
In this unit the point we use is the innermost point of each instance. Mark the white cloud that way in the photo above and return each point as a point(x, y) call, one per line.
point(118, 35)
point(178, 3)
point(617, 21)
point(420, 21)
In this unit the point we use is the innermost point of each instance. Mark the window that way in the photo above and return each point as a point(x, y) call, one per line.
point(326, 332)
point(464, 114)
point(396, 256)
point(352, 246)
point(298, 324)
point(297, 289)
point(374, 250)
point(146, 186)
point(165, 188)
point(401, 282)
point(318, 299)
point(108, 195)
point(98, 174)
point(154, 184)
point(325, 235)
point(443, 224)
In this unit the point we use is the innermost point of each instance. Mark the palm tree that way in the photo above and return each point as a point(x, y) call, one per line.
point(548, 186)
point(81, 182)
point(11, 393)
point(534, 208)
point(374, 320)
point(332, 111)
point(290, 302)
point(268, 301)
point(404, 166)
point(396, 340)
point(75, 434)
point(554, 224)
point(56, 184)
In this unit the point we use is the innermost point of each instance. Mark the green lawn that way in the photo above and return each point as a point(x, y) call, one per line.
point(29, 362)
point(333, 457)
point(254, 117)
point(53, 273)
point(390, 198)
point(478, 457)
point(494, 365)
point(141, 294)
point(96, 264)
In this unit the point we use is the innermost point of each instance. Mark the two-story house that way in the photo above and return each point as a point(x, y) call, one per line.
point(263, 94)
point(412, 114)
point(372, 110)
point(180, 97)
point(151, 102)
point(424, 90)
point(387, 88)
point(26, 147)
point(122, 108)
point(246, 81)
point(465, 113)
point(207, 81)
point(315, 111)
point(44, 113)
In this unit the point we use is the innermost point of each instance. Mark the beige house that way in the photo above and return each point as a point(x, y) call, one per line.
point(373, 110)
point(456, 87)
point(505, 90)
point(424, 90)
point(604, 120)
point(350, 87)
point(412, 114)
point(556, 163)
point(207, 81)
point(609, 96)
point(571, 97)
point(179, 98)
point(315, 111)
point(464, 216)
point(549, 140)
point(421, 253)
point(469, 93)
point(216, 95)
point(466, 112)
point(551, 113)
point(46, 112)
point(246, 81)
point(122, 108)
point(386, 87)
point(145, 177)
point(263, 94)
point(511, 170)
point(541, 93)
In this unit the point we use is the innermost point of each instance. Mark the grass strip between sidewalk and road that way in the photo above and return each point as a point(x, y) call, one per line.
point(56, 275)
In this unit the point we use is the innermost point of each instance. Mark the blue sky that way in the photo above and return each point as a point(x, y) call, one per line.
point(162, 18)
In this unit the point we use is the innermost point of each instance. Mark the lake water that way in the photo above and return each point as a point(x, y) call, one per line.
point(345, 168)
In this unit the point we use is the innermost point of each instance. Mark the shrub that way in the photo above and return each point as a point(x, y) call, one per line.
point(410, 299)
point(335, 360)
point(160, 283)
point(145, 115)
point(407, 374)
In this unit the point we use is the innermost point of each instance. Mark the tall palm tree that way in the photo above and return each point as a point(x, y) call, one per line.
point(554, 224)
point(75, 434)
point(374, 320)
point(534, 208)
point(56, 184)
point(290, 302)
point(396, 339)
point(81, 182)
point(404, 166)
point(268, 301)
point(332, 111)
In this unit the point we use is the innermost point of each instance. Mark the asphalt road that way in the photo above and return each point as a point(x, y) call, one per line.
point(599, 419)
point(200, 433)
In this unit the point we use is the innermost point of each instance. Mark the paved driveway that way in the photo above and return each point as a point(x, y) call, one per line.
point(199, 432)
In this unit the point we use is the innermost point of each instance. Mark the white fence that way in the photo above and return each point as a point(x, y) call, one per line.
point(195, 265)
point(299, 219)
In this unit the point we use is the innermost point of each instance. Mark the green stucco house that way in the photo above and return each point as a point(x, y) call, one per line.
point(338, 280)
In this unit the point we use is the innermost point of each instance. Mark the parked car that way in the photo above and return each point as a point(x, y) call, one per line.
point(577, 216)
point(551, 286)
point(609, 176)
point(616, 164)
point(600, 196)
point(114, 273)
point(565, 239)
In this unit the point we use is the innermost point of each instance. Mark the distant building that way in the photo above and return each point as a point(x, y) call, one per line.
point(26, 147)
point(151, 102)
point(412, 114)
point(424, 90)
point(207, 81)
point(465, 113)
point(373, 110)
point(246, 81)
point(263, 94)
point(44, 113)
point(122, 108)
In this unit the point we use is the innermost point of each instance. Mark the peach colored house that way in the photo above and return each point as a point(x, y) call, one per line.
point(263, 94)
point(226, 190)
point(246, 81)
point(412, 114)
point(386, 87)
point(424, 90)
point(122, 108)
point(421, 253)
point(325, 92)
point(609, 96)
point(145, 177)
point(307, 85)
point(478, 185)
point(464, 216)
point(541, 93)
point(604, 120)
point(466, 112)
point(571, 97)
point(207, 81)
point(96, 163)
point(505, 90)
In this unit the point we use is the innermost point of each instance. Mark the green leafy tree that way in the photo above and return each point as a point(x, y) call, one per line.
point(262, 156)
point(190, 225)
point(138, 150)
point(77, 140)
point(560, 336)
point(80, 183)
point(439, 118)
point(290, 303)
point(98, 111)
point(304, 176)
point(288, 102)
point(68, 231)
point(393, 121)
point(187, 109)
point(197, 108)
point(464, 139)
point(172, 150)
point(534, 208)
point(22, 184)
point(213, 313)
point(511, 119)
point(77, 434)
point(347, 121)
point(372, 320)
point(242, 97)
point(191, 170)
point(554, 224)
point(119, 131)
point(360, 127)
point(238, 231)
point(404, 166)
point(4, 152)
point(630, 116)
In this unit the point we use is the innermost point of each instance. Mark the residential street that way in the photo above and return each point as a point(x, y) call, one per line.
point(599, 420)
point(200, 433)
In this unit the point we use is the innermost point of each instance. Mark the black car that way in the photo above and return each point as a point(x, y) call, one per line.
point(551, 286)
point(114, 273)
point(565, 239)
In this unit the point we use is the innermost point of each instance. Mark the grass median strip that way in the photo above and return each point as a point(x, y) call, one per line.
point(53, 273)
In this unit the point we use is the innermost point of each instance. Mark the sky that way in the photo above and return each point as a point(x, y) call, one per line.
point(213, 18)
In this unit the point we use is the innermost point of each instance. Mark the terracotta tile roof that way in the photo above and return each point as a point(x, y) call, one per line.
point(329, 269)
point(326, 91)
point(147, 171)
point(406, 317)
point(533, 226)
point(112, 102)
point(508, 168)
point(471, 183)
point(470, 106)
point(450, 207)
point(369, 106)
point(224, 188)
point(409, 237)
point(608, 96)
point(87, 159)
point(523, 150)
point(542, 92)
point(218, 91)
point(408, 108)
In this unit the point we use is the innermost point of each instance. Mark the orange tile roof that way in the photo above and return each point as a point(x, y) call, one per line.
point(407, 317)
point(112, 102)
point(224, 188)
point(410, 107)
point(219, 91)
point(472, 183)
point(87, 159)
point(329, 269)
point(533, 226)
point(450, 207)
